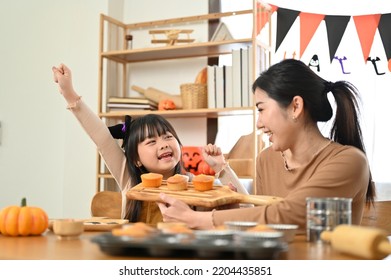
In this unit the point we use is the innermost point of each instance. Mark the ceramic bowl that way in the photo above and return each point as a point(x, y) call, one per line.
point(239, 225)
point(68, 228)
point(289, 230)
point(214, 236)
point(260, 238)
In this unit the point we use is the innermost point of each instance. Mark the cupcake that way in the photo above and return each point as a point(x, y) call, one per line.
point(177, 229)
point(177, 182)
point(138, 229)
point(151, 180)
point(203, 182)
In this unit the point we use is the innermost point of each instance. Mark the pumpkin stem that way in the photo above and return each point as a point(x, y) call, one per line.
point(24, 202)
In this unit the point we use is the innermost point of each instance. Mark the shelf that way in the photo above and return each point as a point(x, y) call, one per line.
point(114, 46)
point(105, 176)
point(208, 113)
point(208, 49)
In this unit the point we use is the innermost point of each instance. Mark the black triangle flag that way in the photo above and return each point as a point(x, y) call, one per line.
point(385, 34)
point(285, 19)
point(336, 26)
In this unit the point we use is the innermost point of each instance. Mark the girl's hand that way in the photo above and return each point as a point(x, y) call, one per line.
point(213, 157)
point(63, 77)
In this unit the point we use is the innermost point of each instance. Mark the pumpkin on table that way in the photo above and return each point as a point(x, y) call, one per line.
point(23, 220)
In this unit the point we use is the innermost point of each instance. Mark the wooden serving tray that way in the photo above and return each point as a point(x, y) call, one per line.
point(218, 196)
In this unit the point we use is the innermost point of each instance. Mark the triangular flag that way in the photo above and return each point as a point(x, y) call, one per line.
point(309, 23)
point(336, 26)
point(385, 35)
point(263, 15)
point(285, 19)
point(366, 26)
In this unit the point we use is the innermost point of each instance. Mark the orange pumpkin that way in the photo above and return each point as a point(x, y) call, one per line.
point(193, 161)
point(23, 220)
point(166, 104)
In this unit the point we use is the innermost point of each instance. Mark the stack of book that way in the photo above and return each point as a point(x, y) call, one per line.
point(116, 103)
point(229, 86)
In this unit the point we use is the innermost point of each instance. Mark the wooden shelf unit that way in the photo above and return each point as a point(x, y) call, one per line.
point(119, 53)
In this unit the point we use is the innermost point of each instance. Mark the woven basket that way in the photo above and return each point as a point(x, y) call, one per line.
point(194, 96)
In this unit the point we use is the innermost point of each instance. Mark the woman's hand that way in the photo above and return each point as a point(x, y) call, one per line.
point(213, 157)
point(174, 210)
point(63, 77)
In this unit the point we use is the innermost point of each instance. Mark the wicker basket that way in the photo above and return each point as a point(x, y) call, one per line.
point(194, 96)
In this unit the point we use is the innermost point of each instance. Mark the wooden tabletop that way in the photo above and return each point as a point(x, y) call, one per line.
point(49, 247)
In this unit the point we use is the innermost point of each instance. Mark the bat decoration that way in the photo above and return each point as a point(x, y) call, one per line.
point(340, 60)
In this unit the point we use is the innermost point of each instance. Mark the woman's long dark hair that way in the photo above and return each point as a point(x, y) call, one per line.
point(134, 132)
point(290, 77)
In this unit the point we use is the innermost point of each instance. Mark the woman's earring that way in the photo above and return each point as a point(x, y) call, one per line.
point(294, 118)
point(138, 164)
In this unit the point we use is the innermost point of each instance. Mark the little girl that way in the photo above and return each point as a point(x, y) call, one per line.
point(150, 145)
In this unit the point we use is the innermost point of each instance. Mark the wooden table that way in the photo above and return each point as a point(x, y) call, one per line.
point(49, 247)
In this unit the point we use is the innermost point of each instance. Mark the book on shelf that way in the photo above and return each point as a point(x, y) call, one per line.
point(131, 100)
point(236, 79)
point(130, 106)
point(250, 75)
point(245, 76)
point(228, 86)
point(211, 86)
point(220, 90)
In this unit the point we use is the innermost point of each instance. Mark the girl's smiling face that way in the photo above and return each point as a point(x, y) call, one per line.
point(160, 154)
point(274, 121)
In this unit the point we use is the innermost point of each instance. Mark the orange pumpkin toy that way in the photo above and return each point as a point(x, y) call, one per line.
point(193, 161)
point(166, 104)
point(23, 221)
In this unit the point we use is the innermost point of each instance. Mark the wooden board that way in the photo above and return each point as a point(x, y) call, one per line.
point(98, 224)
point(220, 195)
point(103, 224)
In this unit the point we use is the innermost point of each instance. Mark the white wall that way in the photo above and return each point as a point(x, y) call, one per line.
point(44, 154)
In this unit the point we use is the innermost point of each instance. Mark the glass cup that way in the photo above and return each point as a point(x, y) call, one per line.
point(325, 213)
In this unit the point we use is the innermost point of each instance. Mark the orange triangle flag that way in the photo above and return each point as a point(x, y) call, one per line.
point(309, 23)
point(366, 26)
point(263, 15)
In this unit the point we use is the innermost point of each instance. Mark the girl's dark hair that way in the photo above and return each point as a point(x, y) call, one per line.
point(290, 77)
point(134, 132)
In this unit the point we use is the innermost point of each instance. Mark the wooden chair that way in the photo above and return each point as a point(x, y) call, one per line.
point(106, 204)
point(378, 216)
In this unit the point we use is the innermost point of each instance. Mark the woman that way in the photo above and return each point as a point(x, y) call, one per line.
point(300, 162)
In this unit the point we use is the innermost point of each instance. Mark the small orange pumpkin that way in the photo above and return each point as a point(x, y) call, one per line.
point(23, 220)
point(166, 104)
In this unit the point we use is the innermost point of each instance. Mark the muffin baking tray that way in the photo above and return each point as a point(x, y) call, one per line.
point(201, 245)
